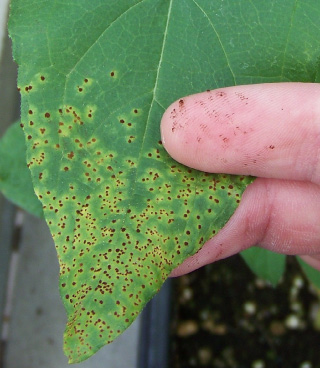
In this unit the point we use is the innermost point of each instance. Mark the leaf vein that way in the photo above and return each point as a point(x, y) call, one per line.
point(101, 35)
point(288, 36)
point(219, 39)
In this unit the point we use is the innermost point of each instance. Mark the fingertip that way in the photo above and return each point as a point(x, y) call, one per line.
point(179, 126)
point(169, 124)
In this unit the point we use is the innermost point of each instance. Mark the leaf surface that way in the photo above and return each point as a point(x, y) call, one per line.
point(312, 274)
point(267, 265)
point(95, 78)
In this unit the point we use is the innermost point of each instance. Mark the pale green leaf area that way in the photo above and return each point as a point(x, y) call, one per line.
point(268, 265)
point(95, 78)
point(312, 274)
point(15, 178)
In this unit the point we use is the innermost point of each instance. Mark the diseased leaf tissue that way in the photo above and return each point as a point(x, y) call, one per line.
point(95, 78)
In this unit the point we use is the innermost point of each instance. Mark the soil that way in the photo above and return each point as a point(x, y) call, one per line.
point(224, 316)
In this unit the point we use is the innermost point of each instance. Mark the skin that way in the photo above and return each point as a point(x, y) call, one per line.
point(271, 131)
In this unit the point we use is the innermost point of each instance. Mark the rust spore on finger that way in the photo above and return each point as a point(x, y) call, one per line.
point(221, 94)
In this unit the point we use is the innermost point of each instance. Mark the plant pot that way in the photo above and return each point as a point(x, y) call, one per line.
point(153, 351)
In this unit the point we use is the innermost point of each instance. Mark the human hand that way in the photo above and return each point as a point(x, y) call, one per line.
point(271, 131)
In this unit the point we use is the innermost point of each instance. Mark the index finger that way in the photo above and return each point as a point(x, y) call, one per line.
point(265, 130)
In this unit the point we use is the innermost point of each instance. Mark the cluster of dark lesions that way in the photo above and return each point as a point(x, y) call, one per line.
point(32, 86)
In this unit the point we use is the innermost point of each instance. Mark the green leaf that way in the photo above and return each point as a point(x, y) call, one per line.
point(265, 264)
point(15, 178)
point(95, 78)
point(312, 274)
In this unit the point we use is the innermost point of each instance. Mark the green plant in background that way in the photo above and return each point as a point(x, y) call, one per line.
point(15, 178)
point(95, 78)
